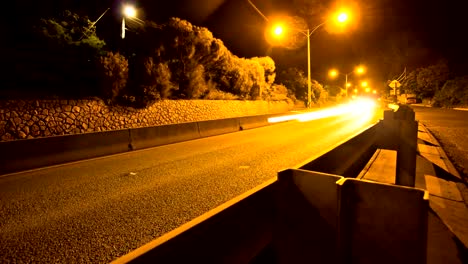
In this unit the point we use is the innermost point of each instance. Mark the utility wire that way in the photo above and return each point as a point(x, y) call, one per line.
point(258, 10)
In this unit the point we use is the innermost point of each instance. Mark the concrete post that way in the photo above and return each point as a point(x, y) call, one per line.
point(399, 131)
point(406, 152)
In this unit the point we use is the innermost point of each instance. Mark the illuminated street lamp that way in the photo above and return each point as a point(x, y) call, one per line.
point(364, 84)
point(358, 70)
point(128, 12)
point(278, 31)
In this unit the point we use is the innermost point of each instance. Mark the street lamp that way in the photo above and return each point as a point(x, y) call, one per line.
point(358, 70)
point(128, 12)
point(278, 30)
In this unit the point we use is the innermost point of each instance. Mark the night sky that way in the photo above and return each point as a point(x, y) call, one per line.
point(428, 29)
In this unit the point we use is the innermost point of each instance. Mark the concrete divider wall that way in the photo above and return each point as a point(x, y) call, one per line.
point(40, 152)
point(234, 232)
point(217, 127)
point(250, 122)
point(147, 137)
point(33, 153)
point(349, 158)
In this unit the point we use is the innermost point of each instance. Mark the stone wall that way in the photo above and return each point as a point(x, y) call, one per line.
point(22, 119)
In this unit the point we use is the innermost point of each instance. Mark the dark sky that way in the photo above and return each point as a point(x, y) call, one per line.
point(438, 26)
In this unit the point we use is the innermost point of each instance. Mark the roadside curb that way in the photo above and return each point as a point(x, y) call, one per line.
point(448, 197)
point(450, 167)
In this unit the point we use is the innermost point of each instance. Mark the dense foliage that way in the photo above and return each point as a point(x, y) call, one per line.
point(186, 61)
point(175, 60)
point(296, 81)
point(57, 57)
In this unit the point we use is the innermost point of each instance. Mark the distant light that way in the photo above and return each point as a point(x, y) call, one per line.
point(374, 91)
point(129, 11)
point(333, 73)
point(367, 89)
point(355, 90)
point(348, 84)
point(364, 84)
point(360, 70)
point(342, 17)
point(278, 30)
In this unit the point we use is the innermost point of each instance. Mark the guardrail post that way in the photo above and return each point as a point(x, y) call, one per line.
point(399, 131)
point(407, 144)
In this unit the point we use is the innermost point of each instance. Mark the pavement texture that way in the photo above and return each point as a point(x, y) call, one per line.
point(448, 200)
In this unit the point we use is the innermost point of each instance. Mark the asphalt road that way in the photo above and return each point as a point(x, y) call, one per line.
point(99, 209)
point(450, 127)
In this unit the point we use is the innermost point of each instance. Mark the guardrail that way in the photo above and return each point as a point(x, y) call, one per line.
point(315, 213)
point(40, 152)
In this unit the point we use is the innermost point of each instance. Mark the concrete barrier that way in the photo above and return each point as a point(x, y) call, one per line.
point(33, 153)
point(382, 223)
point(27, 154)
point(234, 232)
point(250, 122)
point(147, 137)
point(348, 158)
point(217, 127)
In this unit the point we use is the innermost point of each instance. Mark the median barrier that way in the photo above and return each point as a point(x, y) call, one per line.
point(382, 223)
point(234, 232)
point(218, 127)
point(147, 137)
point(315, 213)
point(249, 122)
point(348, 158)
point(27, 154)
point(33, 153)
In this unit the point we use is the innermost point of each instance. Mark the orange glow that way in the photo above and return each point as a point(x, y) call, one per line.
point(357, 107)
point(333, 73)
point(278, 30)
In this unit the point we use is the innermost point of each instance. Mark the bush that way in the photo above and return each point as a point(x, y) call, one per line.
point(192, 63)
point(113, 73)
point(158, 84)
point(453, 93)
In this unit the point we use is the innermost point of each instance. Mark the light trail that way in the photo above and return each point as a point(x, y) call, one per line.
point(359, 108)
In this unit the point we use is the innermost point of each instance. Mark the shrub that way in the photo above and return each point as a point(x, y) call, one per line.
point(114, 74)
point(158, 83)
point(453, 93)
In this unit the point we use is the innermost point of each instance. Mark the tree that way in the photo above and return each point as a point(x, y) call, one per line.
point(294, 79)
point(198, 62)
point(60, 55)
point(454, 92)
point(431, 79)
point(410, 84)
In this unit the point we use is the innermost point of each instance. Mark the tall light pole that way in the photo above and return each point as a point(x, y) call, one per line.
point(278, 31)
point(130, 12)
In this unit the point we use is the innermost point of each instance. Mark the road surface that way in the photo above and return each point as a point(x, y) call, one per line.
point(97, 210)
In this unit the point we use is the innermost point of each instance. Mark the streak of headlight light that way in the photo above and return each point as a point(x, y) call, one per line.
point(310, 116)
point(358, 107)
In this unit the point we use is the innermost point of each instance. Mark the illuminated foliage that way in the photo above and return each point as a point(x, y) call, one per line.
point(197, 63)
point(113, 69)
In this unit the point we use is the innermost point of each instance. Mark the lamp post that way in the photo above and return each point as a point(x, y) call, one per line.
point(278, 31)
point(130, 12)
